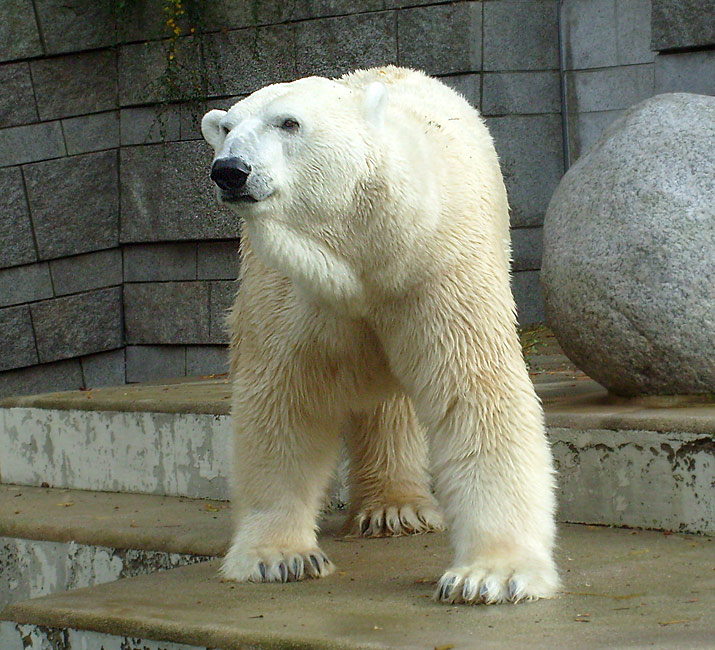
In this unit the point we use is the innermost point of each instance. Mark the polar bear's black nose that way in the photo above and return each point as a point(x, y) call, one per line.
point(230, 174)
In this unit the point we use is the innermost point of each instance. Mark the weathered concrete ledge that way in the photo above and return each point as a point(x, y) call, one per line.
point(570, 399)
point(583, 404)
point(648, 479)
point(192, 395)
point(53, 540)
point(33, 568)
point(182, 454)
point(621, 588)
point(21, 637)
point(127, 521)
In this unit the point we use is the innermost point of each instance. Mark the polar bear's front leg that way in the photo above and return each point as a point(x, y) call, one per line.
point(389, 483)
point(496, 485)
point(282, 463)
point(460, 361)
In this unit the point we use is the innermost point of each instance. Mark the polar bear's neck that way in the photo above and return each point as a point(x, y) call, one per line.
point(315, 270)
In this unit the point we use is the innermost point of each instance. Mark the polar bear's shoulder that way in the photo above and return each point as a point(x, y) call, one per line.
point(422, 100)
point(411, 87)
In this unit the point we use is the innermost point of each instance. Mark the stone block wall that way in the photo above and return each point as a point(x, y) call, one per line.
point(620, 52)
point(115, 263)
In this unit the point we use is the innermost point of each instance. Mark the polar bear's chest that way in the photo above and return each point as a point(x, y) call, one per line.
point(314, 269)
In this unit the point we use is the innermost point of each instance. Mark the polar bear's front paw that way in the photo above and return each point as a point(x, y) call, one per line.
point(491, 582)
point(394, 520)
point(275, 565)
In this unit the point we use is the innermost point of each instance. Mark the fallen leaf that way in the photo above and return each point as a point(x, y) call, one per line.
point(67, 504)
point(582, 620)
point(447, 646)
point(211, 508)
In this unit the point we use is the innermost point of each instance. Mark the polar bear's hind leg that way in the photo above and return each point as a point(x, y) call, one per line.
point(390, 487)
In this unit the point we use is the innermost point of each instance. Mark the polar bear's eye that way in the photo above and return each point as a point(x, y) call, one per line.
point(289, 124)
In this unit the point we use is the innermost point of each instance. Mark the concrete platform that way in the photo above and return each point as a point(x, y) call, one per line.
point(139, 521)
point(55, 540)
point(622, 589)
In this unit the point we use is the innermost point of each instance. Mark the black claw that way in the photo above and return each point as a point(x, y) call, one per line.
point(326, 560)
point(445, 589)
point(314, 562)
point(295, 568)
point(364, 526)
point(262, 569)
point(283, 569)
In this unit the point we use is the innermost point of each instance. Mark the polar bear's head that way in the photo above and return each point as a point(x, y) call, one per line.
point(303, 145)
point(300, 163)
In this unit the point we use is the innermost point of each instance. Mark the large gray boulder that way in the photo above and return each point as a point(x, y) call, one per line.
point(628, 268)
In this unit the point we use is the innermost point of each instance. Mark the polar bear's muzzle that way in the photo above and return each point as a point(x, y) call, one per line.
point(230, 175)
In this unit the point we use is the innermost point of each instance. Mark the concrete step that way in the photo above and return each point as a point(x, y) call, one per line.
point(622, 588)
point(642, 463)
point(169, 439)
point(637, 463)
point(53, 540)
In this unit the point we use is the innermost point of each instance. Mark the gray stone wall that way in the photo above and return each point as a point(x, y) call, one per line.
point(620, 52)
point(115, 263)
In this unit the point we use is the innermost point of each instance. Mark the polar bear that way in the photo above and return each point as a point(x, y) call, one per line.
point(374, 302)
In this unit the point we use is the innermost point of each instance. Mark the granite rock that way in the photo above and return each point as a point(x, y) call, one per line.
point(629, 243)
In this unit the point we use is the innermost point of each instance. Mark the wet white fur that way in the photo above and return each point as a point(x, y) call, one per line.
point(375, 288)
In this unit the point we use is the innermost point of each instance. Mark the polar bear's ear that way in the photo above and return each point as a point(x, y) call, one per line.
point(375, 103)
point(211, 127)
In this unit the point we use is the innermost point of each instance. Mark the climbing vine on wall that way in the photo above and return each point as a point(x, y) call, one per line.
point(183, 17)
point(183, 77)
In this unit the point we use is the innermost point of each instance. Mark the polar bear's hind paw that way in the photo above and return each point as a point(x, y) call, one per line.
point(476, 584)
point(392, 521)
point(274, 565)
